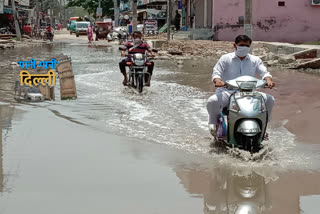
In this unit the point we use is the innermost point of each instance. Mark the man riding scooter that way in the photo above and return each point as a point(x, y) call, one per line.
point(231, 66)
point(137, 46)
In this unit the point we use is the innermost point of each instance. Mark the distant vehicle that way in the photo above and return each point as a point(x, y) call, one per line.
point(48, 36)
point(82, 28)
point(119, 30)
point(102, 29)
point(72, 27)
point(72, 19)
point(5, 30)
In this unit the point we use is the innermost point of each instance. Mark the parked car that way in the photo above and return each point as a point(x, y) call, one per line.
point(82, 28)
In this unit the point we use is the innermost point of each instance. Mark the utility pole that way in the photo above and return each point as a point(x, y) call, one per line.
point(36, 26)
point(168, 18)
point(60, 8)
point(116, 15)
point(248, 18)
point(134, 16)
point(100, 7)
point(16, 23)
point(64, 11)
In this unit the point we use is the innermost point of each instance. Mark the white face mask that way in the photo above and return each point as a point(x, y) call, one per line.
point(137, 41)
point(242, 51)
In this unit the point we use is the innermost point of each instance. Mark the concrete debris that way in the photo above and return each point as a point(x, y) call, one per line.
point(6, 41)
point(174, 51)
point(313, 64)
point(306, 54)
point(286, 59)
point(194, 49)
point(6, 46)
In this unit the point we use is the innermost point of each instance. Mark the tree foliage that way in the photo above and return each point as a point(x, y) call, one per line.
point(91, 6)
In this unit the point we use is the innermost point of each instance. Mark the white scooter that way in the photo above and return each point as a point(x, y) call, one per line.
point(243, 123)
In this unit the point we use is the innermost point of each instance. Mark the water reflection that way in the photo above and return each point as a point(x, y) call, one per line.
point(1, 164)
point(224, 192)
point(6, 115)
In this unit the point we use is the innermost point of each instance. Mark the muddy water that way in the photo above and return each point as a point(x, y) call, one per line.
point(170, 118)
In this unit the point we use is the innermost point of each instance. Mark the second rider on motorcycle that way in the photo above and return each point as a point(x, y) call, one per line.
point(137, 46)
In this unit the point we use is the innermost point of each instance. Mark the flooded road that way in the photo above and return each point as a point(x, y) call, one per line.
point(162, 162)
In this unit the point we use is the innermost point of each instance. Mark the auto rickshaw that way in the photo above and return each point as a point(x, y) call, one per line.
point(72, 24)
point(102, 29)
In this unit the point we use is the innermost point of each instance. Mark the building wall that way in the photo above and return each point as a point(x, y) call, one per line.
point(199, 12)
point(20, 2)
point(209, 9)
point(296, 22)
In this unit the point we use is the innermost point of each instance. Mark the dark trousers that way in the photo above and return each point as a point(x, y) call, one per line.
point(177, 25)
point(122, 66)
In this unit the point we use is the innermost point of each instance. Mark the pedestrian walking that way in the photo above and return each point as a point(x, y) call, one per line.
point(177, 20)
point(90, 33)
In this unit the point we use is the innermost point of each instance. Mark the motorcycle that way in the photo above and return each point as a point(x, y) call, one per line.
point(138, 69)
point(243, 123)
point(5, 30)
point(48, 36)
point(122, 37)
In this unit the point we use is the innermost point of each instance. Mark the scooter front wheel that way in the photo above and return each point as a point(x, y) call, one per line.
point(250, 143)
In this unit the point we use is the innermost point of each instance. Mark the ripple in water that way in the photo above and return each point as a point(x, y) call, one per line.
point(175, 115)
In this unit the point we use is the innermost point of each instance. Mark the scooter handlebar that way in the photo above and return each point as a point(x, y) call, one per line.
point(273, 85)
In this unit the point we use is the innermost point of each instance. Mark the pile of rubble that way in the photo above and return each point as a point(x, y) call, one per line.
point(306, 59)
point(194, 49)
point(8, 41)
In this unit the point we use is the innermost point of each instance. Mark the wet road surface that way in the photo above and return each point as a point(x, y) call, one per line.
point(163, 162)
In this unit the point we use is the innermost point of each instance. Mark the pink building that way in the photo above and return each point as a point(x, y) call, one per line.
point(293, 21)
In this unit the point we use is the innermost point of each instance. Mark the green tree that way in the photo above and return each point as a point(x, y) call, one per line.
point(91, 6)
point(51, 4)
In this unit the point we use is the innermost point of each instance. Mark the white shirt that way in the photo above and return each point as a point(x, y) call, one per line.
point(230, 67)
